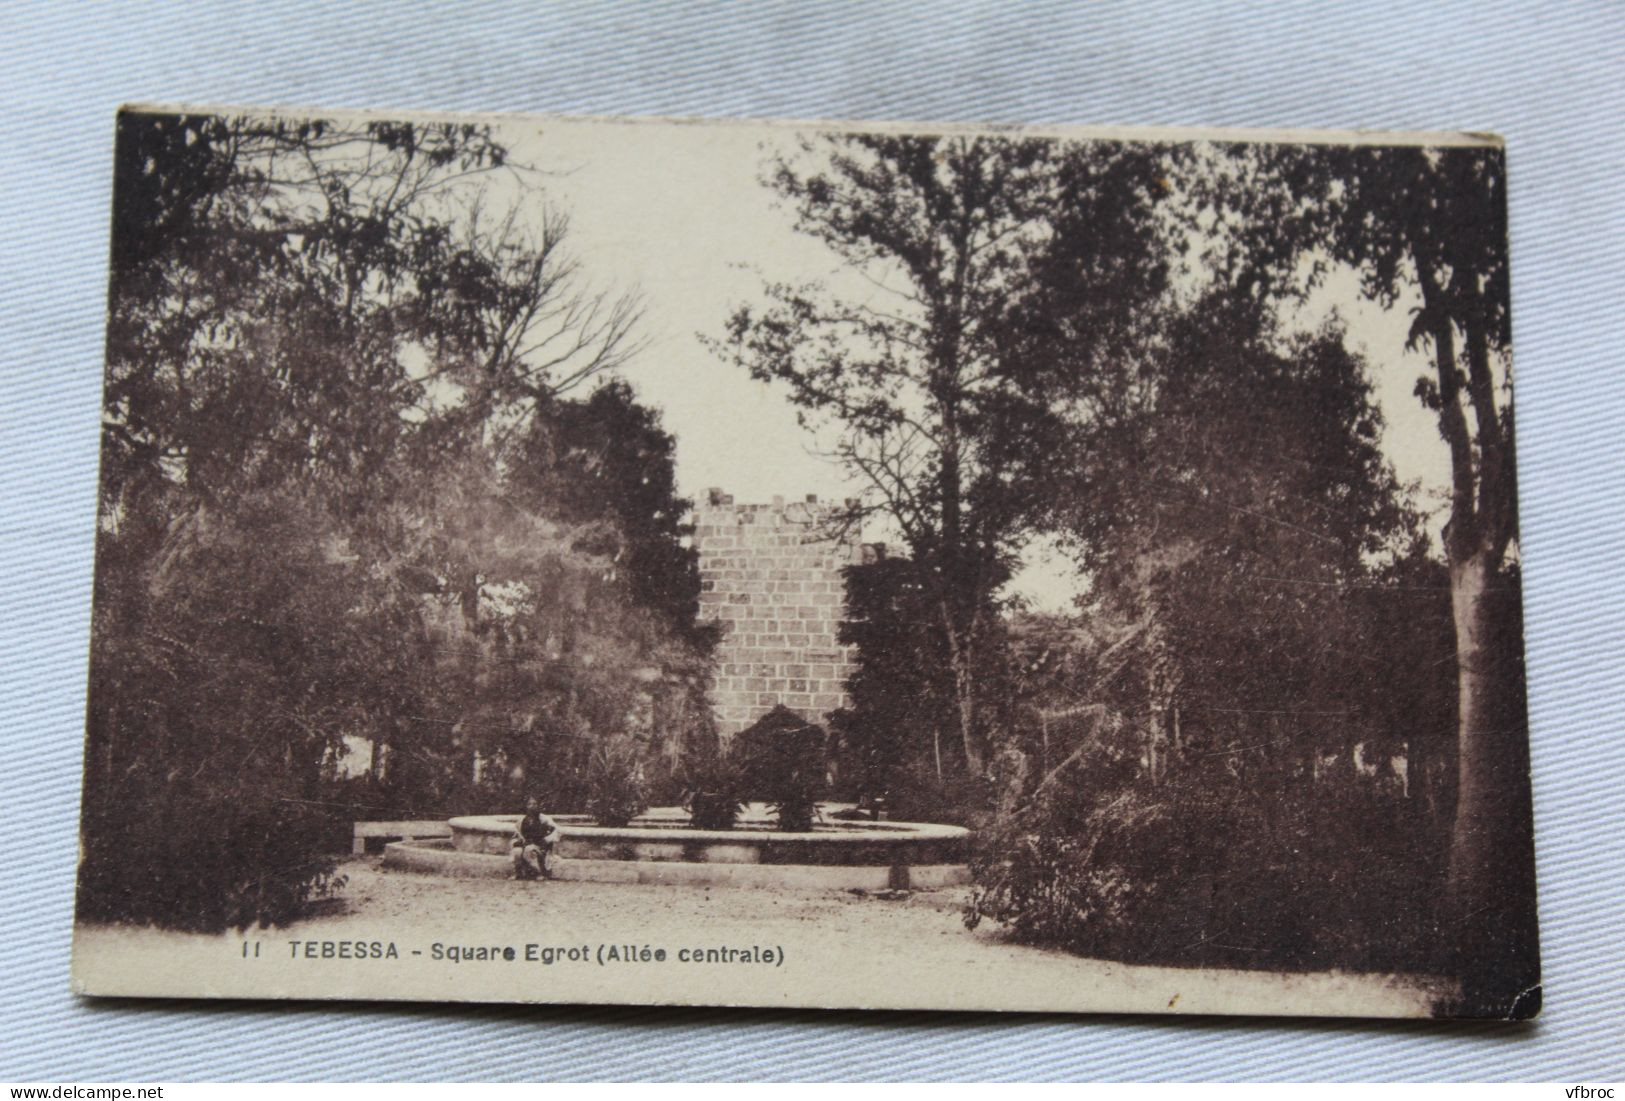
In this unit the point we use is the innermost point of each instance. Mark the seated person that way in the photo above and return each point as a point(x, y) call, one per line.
point(532, 841)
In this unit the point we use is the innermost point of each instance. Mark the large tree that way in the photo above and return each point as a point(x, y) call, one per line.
point(1222, 513)
point(606, 456)
point(308, 296)
point(321, 516)
point(1213, 770)
point(1426, 229)
point(919, 354)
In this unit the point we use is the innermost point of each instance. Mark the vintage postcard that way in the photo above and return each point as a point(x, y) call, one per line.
point(807, 564)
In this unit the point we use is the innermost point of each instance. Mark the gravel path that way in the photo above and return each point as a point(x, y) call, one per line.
point(836, 949)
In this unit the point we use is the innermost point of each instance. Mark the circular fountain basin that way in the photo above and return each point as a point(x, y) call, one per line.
point(658, 848)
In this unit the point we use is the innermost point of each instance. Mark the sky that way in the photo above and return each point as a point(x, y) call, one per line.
point(677, 212)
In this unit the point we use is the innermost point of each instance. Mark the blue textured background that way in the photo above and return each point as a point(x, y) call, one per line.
point(1551, 78)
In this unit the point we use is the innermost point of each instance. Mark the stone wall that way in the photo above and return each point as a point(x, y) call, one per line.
point(770, 575)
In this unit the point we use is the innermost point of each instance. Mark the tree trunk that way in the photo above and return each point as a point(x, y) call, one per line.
point(1472, 847)
point(965, 702)
point(1489, 911)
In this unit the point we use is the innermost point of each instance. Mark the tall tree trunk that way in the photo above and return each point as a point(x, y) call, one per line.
point(954, 568)
point(962, 658)
point(964, 684)
point(1478, 786)
point(1489, 909)
point(1490, 912)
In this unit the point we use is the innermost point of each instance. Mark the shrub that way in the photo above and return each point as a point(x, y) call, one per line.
point(919, 796)
point(1054, 871)
point(715, 795)
point(615, 787)
point(782, 759)
point(714, 809)
point(1214, 869)
point(202, 861)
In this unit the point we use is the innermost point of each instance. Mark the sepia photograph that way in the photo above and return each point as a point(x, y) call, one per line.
point(807, 564)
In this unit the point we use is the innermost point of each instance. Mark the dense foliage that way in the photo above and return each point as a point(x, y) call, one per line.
point(929, 361)
point(1284, 728)
point(1425, 232)
point(359, 494)
point(1233, 776)
point(781, 760)
point(616, 792)
point(715, 792)
point(894, 747)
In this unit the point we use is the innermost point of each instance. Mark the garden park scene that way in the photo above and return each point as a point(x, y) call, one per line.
point(1000, 562)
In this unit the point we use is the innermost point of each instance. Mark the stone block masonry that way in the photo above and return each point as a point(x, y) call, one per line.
point(770, 576)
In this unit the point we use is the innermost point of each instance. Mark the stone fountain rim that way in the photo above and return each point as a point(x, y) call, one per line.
point(847, 833)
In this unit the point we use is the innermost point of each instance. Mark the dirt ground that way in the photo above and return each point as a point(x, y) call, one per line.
point(849, 949)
